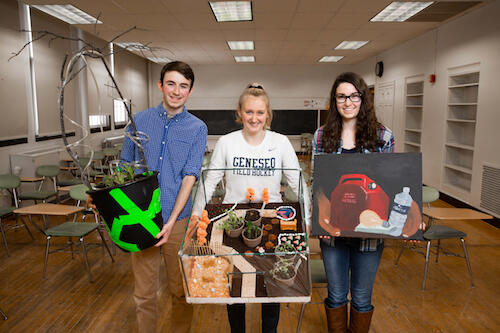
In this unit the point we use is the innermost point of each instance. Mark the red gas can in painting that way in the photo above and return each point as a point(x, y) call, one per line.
point(353, 194)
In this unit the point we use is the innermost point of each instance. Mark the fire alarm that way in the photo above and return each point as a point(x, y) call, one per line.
point(432, 78)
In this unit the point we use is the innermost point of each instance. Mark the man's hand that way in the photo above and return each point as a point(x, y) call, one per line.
point(90, 204)
point(164, 234)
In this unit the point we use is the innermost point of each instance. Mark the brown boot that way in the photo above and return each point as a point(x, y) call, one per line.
point(336, 318)
point(359, 322)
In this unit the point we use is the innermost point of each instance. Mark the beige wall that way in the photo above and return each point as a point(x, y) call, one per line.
point(130, 69)
point(13, 93)
point(473, 38)
point(49, 56)
point(131, 76)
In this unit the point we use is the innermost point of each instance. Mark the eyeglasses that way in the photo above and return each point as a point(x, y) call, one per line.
point(354, 97)
point(255, 86)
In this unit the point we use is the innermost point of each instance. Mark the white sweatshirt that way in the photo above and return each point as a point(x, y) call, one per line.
point(246, 166)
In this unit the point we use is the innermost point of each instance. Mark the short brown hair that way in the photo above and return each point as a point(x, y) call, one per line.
point(181, 67)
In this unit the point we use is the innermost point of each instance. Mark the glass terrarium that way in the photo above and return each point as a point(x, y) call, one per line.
point(254, 250)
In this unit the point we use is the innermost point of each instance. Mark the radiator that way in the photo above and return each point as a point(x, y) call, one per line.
point(490, 189)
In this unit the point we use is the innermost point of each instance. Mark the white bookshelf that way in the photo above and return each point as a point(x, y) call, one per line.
point(463, 87)
point(414, 101)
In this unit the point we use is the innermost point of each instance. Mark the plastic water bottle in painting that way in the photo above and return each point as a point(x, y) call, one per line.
point(399, 212)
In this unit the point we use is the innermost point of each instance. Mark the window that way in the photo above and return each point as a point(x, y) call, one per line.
point(120, 113)
point(98, 121)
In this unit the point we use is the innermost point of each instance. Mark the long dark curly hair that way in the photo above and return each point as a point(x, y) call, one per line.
point(366, 121)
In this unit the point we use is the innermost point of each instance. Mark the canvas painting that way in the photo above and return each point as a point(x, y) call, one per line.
point(368, 195)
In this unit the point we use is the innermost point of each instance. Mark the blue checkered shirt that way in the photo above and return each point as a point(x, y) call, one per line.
point(384, 134)
point(175, 149)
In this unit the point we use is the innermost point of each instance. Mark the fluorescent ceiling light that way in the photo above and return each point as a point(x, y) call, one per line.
point(133, 46)
point(244, 58)
point(330, 58)
point(226, 11)
point(241, 45)
point(68, 13)
point(351, 44)
point(400, 11)
point(159, 60)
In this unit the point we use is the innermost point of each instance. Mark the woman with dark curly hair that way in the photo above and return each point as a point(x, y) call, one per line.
point(351, 263)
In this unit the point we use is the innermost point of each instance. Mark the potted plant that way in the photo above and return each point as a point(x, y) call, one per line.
point(253, 216)
point(130, 206)
point(285, 250)
point(252, 235)
point(233, 225)
point(284, 271)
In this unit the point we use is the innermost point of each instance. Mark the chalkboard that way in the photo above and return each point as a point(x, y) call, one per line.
point(288, 122)
point(219, 122)
point(294, 122)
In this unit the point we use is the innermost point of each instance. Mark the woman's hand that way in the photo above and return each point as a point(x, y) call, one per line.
point(333, 231)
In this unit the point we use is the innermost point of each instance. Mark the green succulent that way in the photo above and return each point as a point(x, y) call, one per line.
point(283, 268)
point(122, 174)
point(232, 222)
point(285, 247)
point(252, 230)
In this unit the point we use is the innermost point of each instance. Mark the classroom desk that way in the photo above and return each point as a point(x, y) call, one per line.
point(46, 210)
point(31, 179)
point(452, 213)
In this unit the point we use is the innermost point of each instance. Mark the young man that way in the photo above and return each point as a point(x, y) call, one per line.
point(175, 148)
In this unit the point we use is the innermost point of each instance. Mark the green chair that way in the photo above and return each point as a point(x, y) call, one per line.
point(75, 229)
point(318, 276)
point(111, 153)
point(429, 194)
point(439, 232)
point(91, 172)
point(98, 162)
point(46, 172)
point(10, 183)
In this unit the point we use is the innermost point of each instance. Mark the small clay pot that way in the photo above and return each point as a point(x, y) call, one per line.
point(235, 232)
point(251, 242)
point(253, 216)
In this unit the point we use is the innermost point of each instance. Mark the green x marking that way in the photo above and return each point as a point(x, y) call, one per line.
point(135, 216)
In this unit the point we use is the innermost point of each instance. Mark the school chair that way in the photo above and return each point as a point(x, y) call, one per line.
point(10, 183)
point(75, 229)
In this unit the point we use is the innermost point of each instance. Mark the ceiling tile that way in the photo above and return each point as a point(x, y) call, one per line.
point(319, 6)
point(311, 20)
point(284, 31)
point(266, 6)
point(273, 20)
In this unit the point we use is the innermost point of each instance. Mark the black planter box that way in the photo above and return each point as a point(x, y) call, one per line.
point(132, 212)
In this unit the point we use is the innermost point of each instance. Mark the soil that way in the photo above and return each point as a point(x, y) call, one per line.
point(252, 215)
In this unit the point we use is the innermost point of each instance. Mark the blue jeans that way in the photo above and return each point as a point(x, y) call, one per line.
point(346, 257)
